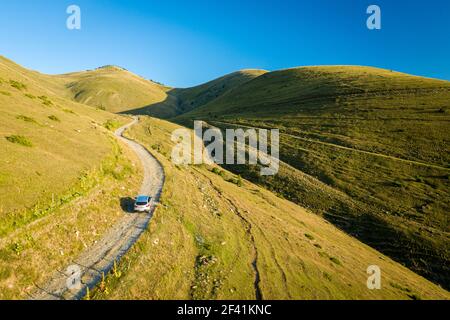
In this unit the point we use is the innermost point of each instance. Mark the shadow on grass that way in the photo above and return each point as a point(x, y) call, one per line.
point(127, 204)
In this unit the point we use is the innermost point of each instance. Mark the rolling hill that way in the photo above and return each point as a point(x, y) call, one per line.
point(63, 177)
point(180, 101)
point(192, 98)
point(227, 238)
point(60, 169)
point(113, 89)
point(366, 148)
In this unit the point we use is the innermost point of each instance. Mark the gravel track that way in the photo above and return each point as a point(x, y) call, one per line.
point(100, 257)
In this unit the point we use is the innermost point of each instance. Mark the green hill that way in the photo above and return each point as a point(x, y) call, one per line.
point(42, 135)
point(62, 177)
point(192, 98)
point(366, 148)
point(113, 89)
point(60, 170)
point(226, 239)
point(180, 101)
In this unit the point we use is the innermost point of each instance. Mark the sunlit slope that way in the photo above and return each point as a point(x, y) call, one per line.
point(47, 143)
point(367, 148)
point(215, 238)
point(113, 89)
point(109, 88)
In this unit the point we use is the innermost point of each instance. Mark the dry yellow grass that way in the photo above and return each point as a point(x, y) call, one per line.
point(30, 254)
point(62, 175)
point(211, 239)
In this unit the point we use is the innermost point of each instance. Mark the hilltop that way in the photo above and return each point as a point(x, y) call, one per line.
point(113, 89)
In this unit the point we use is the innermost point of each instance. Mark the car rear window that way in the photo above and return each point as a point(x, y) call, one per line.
point(141, 203)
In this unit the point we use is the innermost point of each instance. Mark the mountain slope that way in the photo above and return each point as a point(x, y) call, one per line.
point(61, 177)
point(230, 240)
point(113, 89)
point(192, 98)
point(365, 147)
point(41, 136)
point(180, 101)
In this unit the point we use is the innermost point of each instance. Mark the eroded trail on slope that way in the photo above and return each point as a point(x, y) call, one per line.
point(99, 258)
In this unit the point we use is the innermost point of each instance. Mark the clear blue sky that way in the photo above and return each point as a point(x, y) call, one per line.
point(184, 43)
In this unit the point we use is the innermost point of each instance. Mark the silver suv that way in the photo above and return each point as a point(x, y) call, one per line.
point(143, 204)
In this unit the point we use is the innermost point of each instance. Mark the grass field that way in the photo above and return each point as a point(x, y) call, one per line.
point(376, 140)
point(48, 143)
point(364, 148)
point(32, 252)
point(213, 239)
point(61, 177)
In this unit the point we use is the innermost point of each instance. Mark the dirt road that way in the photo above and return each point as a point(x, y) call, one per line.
point(99, 258)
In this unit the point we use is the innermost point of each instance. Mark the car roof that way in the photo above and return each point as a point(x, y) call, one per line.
point(142, 198)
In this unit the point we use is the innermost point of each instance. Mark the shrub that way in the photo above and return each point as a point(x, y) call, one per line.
point(218, 172)
point(5, 93)
point(398, 184)
point(111, 124)
point(54, 118)
point(18, 85)
point(26, 119)
point(45, 100)
point(310, 237)
point(335, 261)
point(236, 181)
point(19, 140)
point(28, 95)
point(419, 179)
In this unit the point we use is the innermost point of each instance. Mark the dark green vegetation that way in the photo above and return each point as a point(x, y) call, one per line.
point(366, 148)
point(20, 140)
point(179, 101)
point(192, 98)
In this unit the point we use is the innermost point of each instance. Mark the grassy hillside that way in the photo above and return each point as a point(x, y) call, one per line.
point(48, 141)
point(366, 148)
point(195, 97)
point(227, 238)
point(113, 89)
point(180, 101)
point(56, 155)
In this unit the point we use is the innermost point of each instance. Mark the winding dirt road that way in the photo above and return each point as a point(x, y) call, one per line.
point(100, 257)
